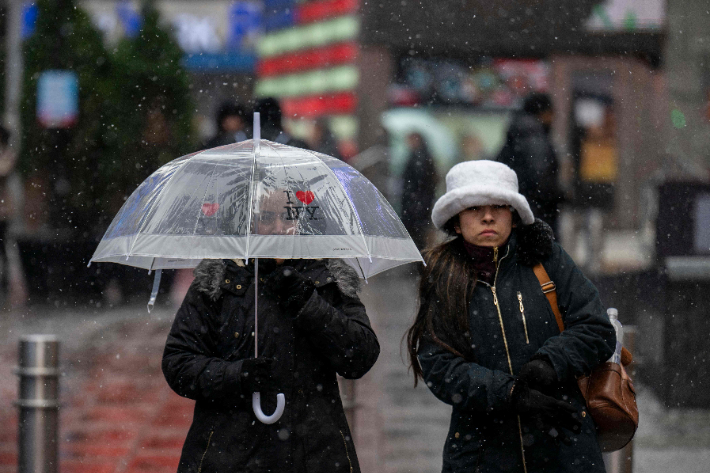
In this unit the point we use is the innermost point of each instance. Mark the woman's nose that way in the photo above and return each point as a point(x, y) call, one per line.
point(488, 215)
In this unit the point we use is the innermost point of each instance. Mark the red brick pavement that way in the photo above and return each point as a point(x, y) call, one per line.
point(118, 414)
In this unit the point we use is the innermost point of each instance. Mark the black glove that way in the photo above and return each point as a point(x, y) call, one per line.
point(255, 375)
point(539, 374)
point(550, 415)
point(290, 288)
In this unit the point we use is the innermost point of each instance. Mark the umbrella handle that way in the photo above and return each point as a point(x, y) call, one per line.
point(263, 418)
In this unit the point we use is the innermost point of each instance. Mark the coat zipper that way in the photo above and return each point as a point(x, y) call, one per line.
point(495, 302)
point(347, 454)
point(502, 328)
point(209, 440)
point(505, 342)
point(522, 313)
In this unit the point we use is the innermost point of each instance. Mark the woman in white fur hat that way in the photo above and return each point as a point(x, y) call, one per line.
point(485, 339)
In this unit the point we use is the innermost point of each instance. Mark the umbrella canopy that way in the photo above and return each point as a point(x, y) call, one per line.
point(256, 199)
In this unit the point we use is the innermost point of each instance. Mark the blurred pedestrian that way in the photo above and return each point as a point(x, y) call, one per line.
point(8, 159)
point(312, 325)
point(528, 150)
point(419, 182)
point(232, 122)
point(485, 339)
point(271, 126)
point(324, 140)
point(472, 148)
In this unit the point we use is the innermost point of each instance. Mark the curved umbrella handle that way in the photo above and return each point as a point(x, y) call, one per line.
point(263, 418)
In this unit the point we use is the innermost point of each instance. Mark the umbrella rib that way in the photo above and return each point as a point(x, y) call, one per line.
point(145, 215)
point(197, 221)
point(251, 199)
point(352, 206)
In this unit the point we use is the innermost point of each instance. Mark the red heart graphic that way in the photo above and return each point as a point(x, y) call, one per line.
point(305, 197)
point(210, 209)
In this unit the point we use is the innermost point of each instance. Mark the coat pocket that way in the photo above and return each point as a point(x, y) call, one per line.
point(463, 448)
point(236, 338)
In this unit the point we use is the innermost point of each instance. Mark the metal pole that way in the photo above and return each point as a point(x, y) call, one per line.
point(256, 307)
point(13, 71)
point(622, 461)
point(39, 404)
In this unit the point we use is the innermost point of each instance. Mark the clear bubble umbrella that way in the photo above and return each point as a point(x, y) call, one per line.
point(256, 199)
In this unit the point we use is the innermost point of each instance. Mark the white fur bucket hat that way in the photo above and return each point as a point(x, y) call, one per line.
point(481, 182)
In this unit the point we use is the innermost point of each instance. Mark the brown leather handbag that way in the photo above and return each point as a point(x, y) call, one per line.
point(608, 390)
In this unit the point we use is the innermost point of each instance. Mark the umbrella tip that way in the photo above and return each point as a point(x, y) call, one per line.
point(257, 126)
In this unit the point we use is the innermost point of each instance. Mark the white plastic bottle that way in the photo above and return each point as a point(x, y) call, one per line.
point(614, 318)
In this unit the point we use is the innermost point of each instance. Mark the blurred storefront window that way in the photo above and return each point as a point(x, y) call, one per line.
point(461, 109)
point(628, 15)
point(593, 141)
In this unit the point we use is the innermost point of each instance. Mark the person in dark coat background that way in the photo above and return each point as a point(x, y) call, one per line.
point(418, 189)
point(312, 325)
point(324, 140)
point(485, 339)
point(271, 126)
point(232, 124)
point(528, 150)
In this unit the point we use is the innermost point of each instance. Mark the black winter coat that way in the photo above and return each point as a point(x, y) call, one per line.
point(419, 182)
point(529, 152)
point(214, 330)
point(484, 433)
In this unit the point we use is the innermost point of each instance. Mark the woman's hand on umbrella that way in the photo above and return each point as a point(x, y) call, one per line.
point(255, 375)
point(291, 289)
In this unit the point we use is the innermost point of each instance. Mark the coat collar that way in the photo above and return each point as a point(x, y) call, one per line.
point(532, 243)
point(210, 274)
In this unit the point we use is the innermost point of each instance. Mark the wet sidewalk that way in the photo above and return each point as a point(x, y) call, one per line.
point(118, 413)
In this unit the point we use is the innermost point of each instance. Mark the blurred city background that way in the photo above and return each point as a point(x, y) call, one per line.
point(98, 94)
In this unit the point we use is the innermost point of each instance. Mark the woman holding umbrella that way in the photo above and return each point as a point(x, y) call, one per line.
point(311, 325)
point(485, 339)
point(283, 331)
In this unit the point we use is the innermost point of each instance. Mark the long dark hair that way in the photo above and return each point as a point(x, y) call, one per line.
point(445, 291)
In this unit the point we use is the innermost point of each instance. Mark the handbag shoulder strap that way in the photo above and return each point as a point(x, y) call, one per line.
point(550, 290)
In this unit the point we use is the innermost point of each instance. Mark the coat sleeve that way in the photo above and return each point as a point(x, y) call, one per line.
point(338, 327)
point(588, 338)
point(463, 384)
point(189, 366)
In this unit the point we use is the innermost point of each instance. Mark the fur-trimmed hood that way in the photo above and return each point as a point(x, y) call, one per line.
point(209, 275)
point(534, 243)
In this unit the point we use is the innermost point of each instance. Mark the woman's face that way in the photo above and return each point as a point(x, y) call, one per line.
point(485, 225)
